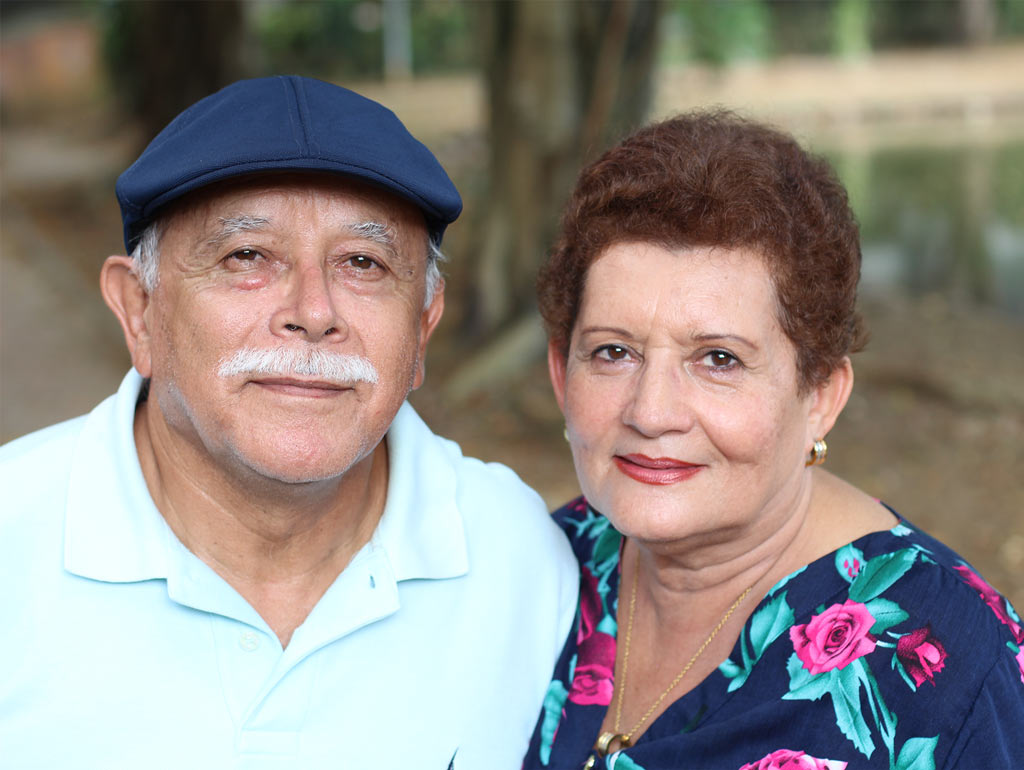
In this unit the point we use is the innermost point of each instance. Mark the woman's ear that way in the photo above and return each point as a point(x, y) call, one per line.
point(828, 400)
point(557, 362)
point(127, 299)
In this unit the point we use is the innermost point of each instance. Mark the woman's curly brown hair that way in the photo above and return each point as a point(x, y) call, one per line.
point(711, 178)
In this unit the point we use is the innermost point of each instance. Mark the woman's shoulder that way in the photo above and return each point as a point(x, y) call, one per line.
point(927, 600)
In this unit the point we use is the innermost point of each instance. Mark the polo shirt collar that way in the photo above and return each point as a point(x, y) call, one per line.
point(114, 532)
point(421, 528)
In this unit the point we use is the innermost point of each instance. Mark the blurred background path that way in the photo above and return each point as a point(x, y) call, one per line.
point(928, 136)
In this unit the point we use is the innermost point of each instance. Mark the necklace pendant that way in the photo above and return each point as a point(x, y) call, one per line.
point(609, 742)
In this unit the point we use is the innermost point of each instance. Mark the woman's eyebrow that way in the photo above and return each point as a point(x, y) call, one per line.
point(606, 330)
point(711, 336)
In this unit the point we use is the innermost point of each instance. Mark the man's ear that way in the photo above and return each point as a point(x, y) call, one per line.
point(828, 400)
point(125, 296)
point(557, 365)
point(429, 320)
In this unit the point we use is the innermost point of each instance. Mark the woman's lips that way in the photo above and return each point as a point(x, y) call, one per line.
point(656, 470)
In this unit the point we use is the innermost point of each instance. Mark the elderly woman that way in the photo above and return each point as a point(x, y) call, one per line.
point(740, 606)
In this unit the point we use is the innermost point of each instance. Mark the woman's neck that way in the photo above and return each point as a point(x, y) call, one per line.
point(695, 580)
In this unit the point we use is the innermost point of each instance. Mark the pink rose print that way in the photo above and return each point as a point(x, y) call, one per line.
point(593, 680)
point(591, 606)
point(835, 638)
point(921, 654)
point(784, 759)
point(992, 598)
point(1020, 663)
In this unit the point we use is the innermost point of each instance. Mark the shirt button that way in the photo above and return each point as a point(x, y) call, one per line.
point(249, 640)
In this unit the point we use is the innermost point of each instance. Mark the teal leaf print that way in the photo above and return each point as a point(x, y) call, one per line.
point(886, 614)
point(849, 561)
point(765, 626)
point(736, 673)
point(845, 689)
point(1010, 610)
point(768, 624)
point(901, 530)
point(606, 550)
point(803, 685)
point(898, 668)
point(880, 573)
point(885, 720)
point(917, 754)
point(554, 702)
point(785, 580)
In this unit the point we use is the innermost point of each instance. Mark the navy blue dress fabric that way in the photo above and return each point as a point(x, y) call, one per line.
point(891, 652)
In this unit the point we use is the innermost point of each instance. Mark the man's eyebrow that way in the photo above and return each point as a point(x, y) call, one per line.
point(242, 223)
point(377, 232)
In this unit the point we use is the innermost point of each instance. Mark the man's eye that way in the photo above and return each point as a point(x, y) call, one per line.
point(363, 262)
point(246, 255)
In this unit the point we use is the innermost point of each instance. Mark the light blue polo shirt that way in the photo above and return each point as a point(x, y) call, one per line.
point(122, 649)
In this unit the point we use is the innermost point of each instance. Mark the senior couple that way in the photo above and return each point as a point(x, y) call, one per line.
point(256, 555)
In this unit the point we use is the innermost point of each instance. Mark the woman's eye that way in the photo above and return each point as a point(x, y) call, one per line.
point(612, 353)
point(719, 359)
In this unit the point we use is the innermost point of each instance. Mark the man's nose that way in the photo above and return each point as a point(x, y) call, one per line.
point(309, 309)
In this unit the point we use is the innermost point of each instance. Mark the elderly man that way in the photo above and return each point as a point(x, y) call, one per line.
point(255, 554)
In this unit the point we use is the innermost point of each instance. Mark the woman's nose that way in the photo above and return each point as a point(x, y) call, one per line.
point(659, 403)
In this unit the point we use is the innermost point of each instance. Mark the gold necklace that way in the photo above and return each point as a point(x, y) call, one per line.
point(613, 740)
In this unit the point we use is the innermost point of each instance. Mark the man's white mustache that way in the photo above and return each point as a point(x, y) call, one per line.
point(336, 368)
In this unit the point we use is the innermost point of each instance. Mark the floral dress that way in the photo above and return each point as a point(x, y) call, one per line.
point(891, 653)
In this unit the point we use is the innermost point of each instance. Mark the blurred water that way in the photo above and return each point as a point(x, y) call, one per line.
point(941, 221)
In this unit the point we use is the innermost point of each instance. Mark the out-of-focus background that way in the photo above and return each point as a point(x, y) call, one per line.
point(920, 105)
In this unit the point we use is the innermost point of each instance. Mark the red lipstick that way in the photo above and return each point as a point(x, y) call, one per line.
point(659, 471)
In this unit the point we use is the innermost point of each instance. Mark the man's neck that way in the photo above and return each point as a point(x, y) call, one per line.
point(279, 545)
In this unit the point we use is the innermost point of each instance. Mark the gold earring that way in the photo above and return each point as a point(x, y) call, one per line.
point(565, 432)
point(818, 453)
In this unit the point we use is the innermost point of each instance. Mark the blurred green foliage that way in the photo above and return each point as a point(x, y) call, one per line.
point(343, 38)
point(943, 220)
point(727, 30)
point(722, 31)
point(340, 37)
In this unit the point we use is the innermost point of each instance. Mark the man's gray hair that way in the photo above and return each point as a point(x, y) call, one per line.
point(146, 259)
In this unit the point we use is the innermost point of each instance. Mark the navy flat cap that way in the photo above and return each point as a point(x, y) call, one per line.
point(284, 123)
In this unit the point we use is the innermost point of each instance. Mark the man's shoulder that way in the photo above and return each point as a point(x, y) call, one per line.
point(43, 453)
point(495, 504)
point(34, 476)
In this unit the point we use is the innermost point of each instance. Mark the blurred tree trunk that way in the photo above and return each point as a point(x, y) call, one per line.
point(166, 54)
point(397, 31)
point(563, 79)
point(851, 29)
point(979, 21)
